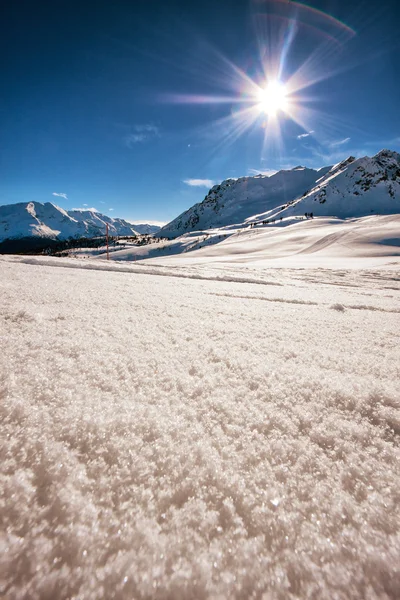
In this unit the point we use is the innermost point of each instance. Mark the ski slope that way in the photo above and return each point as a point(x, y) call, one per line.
point(202, 428)
point(294, 242)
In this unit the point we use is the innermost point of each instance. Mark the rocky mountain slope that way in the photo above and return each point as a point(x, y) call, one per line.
point(352, 188)
point(235, 200)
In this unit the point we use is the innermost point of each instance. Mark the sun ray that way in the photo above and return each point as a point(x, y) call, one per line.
point(201, 99)
point(268, 93)
point(233, 126)
point(272, 140)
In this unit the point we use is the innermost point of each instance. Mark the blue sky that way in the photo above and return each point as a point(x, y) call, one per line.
point(136, 108)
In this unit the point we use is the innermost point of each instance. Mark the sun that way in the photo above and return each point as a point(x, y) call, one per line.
point(273, 98)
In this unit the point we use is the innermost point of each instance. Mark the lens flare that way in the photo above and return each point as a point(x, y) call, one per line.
point(273, 98)
point(270, 94)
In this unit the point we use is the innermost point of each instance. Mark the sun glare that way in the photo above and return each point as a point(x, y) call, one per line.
point(273, 98)
point(269, 91)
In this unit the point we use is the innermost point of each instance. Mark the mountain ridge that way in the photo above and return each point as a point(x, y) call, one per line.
point(228, 202)
point(49, 221)
point(351, 188)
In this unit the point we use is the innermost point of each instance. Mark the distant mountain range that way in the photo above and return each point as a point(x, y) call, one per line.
point(352, 188)
point(145, 228)
point(40, 222)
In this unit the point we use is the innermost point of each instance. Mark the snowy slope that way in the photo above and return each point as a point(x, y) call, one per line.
point(234, 201)
point(47, 220)
point(33, 219)
point(293, 242)
point(193, 434)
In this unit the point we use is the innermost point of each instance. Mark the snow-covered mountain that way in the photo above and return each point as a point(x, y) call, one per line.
point(146, 228)
point(37, 220)
point(235, 200)
point(352, 188)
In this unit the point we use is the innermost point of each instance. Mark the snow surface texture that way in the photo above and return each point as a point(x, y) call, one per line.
point(228, 432)
point(352, 188)
point(50, 221)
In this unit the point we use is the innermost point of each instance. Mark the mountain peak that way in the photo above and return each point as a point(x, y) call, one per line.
point(387, 155)
point(30, 207)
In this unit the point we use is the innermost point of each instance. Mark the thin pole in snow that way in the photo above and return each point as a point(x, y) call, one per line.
point(108, 256)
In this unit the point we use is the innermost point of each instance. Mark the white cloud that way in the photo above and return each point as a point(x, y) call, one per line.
point(85, 207)
point(134, 138)
point(199, 182)
point(141, 133)
point(110, 209)
point(60, 195)
point(267, 172)
point(304, 135)
point(339, 142)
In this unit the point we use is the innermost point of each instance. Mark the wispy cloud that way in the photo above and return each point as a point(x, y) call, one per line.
point(110, 209)
point(199, 182)
point(305, 135)
point(85, 207)
point(141, 133)
point(267, 172)
point(339, 142)
point(60, 195)
point(135, 138)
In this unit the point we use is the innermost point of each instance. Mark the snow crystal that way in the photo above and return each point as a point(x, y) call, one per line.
point(176, 437)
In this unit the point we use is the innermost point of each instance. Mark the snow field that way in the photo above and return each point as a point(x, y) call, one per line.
point(372, 240)
point(189, 437)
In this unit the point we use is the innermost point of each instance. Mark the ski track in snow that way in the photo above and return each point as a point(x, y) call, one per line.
point(175, 437)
